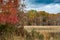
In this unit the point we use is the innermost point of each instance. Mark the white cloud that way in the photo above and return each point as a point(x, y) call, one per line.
point(51, 8)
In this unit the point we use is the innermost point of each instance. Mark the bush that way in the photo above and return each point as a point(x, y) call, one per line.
point(6, 31)
point(34, 35)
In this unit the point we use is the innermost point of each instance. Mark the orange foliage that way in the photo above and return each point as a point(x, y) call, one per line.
point(11, 17)
point(10, 7)
point(1, 1)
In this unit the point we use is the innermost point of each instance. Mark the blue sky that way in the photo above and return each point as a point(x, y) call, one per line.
point(51, 6)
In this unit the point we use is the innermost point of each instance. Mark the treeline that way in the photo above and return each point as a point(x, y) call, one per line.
point(40, 18)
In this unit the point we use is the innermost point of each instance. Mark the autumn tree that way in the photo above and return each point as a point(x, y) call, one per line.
point(43, 17)
point(21, 18)
point(31, 14)
point(52, 19)
point(58, 19)
point(9, 17)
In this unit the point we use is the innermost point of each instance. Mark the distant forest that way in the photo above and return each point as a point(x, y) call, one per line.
point(40, 18)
